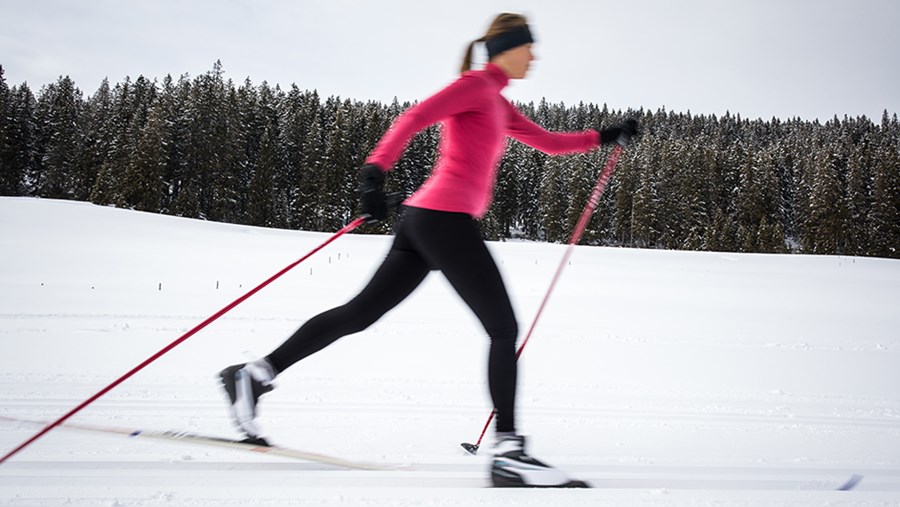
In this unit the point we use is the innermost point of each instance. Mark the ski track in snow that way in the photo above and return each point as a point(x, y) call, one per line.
point(662, 378)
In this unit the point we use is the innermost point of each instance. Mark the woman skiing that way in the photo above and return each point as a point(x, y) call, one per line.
point(439, 231)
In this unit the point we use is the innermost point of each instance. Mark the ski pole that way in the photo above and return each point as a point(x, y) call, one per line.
point(589, 208)
point(347, 228)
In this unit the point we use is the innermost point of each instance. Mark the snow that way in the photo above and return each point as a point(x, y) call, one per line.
point(663, 378)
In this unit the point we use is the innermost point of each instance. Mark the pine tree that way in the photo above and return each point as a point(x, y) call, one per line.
point(757, 201)
point(770, 238)
point(504, 213)
point(204, 191)
point(672, 205)
point(553, 202)
point(174, 105)
point(644, 209)
point(299, 111)
point(579, 177)
point(623, 193)
point(250, 121)
point(10, 177)
point(262, 209)
point(692, 194)
point(99, 137)
point(789, 154)
point(306, 203)
point(337, 174)
point(141, 158)
point(109, 185)
point(223, 201)
point(145, 171)
point(188, 176)
point(18, 157)
point(826, 216)
point(859, 198)
point(59, 110)
point(722, 233)
point(529, 168)
point(233, 178)
point(885, 214)
point(23, 157)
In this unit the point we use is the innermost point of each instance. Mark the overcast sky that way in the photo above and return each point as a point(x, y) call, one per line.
point(757, 58)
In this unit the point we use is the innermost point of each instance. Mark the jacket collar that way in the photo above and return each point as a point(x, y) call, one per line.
point(496, 74)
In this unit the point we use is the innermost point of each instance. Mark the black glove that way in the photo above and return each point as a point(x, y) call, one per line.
point(621, 133)
point(374, 201)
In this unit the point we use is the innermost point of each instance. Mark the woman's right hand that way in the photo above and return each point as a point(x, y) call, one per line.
point(374, 201)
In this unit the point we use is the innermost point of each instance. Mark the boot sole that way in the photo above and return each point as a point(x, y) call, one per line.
point(570, 484)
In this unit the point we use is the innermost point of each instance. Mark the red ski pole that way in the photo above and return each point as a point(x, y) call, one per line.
point(589, 208)
point(347, 228)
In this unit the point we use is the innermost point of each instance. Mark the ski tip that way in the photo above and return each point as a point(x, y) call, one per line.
point(470, 448)
point(851, 483)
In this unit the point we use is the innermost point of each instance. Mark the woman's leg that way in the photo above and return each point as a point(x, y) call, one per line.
point(400, 273)
point(452, 243)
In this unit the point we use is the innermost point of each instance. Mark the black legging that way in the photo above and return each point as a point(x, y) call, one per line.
point(427, 240)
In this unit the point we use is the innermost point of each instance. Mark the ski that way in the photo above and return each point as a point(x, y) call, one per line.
point(602, 480)
point(213, 441)
point(715, 483)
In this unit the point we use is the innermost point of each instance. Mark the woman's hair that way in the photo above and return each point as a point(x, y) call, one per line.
point(501, 24)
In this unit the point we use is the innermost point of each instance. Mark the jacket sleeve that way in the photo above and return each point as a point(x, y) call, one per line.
point(522, 129)
point(458, 97)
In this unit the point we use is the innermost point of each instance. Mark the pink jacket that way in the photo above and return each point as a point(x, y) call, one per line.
point(476, 120)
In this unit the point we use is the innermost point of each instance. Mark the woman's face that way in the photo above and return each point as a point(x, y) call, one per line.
point(516, 61)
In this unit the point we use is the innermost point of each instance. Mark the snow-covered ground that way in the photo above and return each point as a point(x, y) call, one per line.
point(663, 378)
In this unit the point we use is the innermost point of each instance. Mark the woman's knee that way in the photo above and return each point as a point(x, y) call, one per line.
point(502, 332)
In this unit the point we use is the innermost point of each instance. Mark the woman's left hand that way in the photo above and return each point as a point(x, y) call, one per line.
point(621, 133)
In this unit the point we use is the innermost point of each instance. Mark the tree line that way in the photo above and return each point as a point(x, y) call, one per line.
point(209, 148)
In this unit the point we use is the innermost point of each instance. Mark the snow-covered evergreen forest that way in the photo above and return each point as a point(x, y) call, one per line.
point(207, 147)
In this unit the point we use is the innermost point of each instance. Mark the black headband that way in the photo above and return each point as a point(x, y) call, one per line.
point(508, 40)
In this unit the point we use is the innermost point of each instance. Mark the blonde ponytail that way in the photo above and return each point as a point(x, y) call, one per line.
point(467, 57)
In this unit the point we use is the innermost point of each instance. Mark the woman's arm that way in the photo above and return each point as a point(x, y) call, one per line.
point(458, 97)
point(522, 129)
